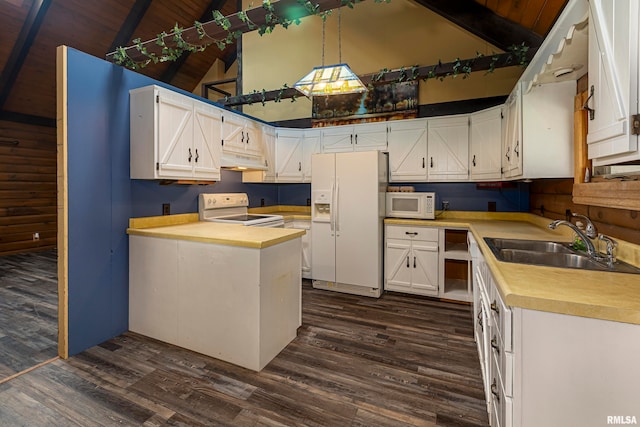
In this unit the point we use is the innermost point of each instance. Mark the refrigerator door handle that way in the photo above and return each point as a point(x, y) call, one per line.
point(337, 207)
point(332, 207)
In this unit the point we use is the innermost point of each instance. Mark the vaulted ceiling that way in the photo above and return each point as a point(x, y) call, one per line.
point(32, 29)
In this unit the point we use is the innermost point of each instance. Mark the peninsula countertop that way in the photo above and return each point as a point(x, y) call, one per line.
point(187, 227)
point(595, 294)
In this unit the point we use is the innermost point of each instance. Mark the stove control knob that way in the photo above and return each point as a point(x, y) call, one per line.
point(211, 201)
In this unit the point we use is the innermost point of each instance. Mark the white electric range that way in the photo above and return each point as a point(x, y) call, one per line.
point(232, 208)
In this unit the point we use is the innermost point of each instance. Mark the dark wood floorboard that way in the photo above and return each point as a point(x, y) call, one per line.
point(28, 310)
point(395, 361)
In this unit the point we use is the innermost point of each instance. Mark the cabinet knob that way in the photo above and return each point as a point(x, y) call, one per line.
point(414, 262)
point(494, 307)
point(197, 155)
point(407, 261)
point(299, 166)
point(431, 162)
point(190, 156)
point(423, 165)
point(474, 160)
point(494, 390)
point(494, 345)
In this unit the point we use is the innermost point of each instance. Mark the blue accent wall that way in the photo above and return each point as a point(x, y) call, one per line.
point(102, 197)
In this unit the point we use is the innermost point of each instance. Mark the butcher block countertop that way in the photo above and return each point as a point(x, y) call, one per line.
point(594, 294)
point(287, 212)
point(187, 227)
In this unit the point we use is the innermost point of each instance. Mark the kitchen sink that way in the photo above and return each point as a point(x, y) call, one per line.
point(529, 245)
point(551, 254)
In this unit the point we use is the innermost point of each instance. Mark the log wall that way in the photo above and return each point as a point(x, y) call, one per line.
point(27, 187)
point(552, 197)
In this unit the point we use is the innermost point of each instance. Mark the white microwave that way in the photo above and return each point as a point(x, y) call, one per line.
point(417, 205)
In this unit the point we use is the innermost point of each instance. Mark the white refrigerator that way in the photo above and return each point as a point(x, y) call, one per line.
point(347, 213)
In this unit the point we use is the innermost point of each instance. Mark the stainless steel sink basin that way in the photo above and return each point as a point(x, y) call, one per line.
point(552, 259)
point(529, 245)
point(551, 254)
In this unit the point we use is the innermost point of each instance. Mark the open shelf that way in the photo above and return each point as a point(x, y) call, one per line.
point(455, 244)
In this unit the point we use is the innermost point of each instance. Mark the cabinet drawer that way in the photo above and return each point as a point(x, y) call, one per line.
point(501, 317)
point(504, 362)
point(413, 233)
point(502, 405)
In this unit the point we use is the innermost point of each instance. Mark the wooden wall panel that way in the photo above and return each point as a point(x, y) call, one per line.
point(27, 187)
point(552, 197)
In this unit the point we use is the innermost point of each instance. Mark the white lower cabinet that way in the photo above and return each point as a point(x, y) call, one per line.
point(548, 369)
point(306, 244)
point(411, 259)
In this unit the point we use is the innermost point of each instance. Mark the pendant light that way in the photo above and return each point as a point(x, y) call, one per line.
point(334, 79)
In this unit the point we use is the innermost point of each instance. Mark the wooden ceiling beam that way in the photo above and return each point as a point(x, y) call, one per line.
point(173, 69)
point(291, 9)
point(484, 23)
point(442, 70)
point(21, 48)
point(130, 24)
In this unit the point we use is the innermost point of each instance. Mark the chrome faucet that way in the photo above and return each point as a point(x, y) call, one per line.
point(590, 229)
point(610, 256)
point(591, 249)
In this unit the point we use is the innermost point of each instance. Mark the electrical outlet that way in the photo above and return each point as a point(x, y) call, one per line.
point(261, 202)
point(445, 205)
point(166, 209)
point(491, 206)
point(36, 236)
point(308, 202)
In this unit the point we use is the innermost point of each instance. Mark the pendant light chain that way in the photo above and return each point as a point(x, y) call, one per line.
point(323, 31)
point(340, 35)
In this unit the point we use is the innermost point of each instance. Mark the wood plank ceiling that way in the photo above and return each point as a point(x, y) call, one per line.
point(32, 29)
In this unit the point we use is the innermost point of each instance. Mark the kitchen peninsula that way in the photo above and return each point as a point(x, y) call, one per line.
point(225, 290)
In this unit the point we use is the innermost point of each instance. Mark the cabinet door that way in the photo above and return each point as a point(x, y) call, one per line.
point(448, 148)
point(233, 134)
point(408, 151)
point(269, 153)
point(337, 139)
point(397, 268)
point(175, 135)
point(206, 141)
point(289, 155)
point(370, 136)
point(310, 146)
point(253, 138)
point(613, 74)
point(511, 161)
point(424, 267)
point(486, 144)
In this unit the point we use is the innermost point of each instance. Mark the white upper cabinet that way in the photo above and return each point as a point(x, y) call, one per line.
point(539, 132)
point(361, 137)
point(408, 150)
point(310, 146)
point(613, 75)
point(206, 140)
point(241, 135)
point(289, 155)
point(512, 143)
point(173, 136)
point(448, 148)
point(268, 159)
point(370, 136)
point(486, 144)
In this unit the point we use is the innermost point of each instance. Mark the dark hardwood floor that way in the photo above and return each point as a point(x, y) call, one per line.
point(395, 361)
point(28, 310)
